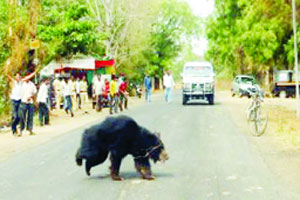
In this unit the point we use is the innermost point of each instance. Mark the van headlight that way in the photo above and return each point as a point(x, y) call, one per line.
point(187, 85)
point(208, 86)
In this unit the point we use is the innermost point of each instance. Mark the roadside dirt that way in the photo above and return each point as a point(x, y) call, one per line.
point(60, 123)
point(279, 146)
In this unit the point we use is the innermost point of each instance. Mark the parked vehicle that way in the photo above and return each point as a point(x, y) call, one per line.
point(198, 82)
point(137, 90)
point(242, 85)
point(284, 83)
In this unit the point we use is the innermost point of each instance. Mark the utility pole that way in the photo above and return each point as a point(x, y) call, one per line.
point(296, 57)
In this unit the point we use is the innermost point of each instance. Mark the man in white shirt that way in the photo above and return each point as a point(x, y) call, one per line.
point(42, 99)
point(67, 92)
point(78, 91)
point(168, 84)
point(27, 106)
point(98, 88)
point(16, 95)
point(57, 87)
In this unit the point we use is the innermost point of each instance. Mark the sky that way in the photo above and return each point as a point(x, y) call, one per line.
point(202, 8)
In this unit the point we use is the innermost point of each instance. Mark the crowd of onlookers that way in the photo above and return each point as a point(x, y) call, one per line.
point(68, 92)
point(62, 92)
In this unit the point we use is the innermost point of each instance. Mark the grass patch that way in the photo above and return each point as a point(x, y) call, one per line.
point(283, 123)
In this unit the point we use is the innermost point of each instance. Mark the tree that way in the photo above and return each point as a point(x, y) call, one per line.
point(66, 29)
point(249, 36)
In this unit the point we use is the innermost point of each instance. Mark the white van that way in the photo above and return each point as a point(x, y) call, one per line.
point(198, 82)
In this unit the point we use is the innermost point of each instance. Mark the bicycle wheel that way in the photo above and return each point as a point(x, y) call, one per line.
point(259, 122)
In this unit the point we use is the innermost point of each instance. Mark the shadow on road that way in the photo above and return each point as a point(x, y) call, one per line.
point(201, 104)
point(131, 175)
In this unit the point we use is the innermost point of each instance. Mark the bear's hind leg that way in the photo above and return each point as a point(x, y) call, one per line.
point(115, 167)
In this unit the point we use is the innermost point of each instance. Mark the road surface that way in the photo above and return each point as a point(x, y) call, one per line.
point(210, 158)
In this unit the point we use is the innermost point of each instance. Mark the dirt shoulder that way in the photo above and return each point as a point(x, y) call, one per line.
point(279, 146)
point(60, 123)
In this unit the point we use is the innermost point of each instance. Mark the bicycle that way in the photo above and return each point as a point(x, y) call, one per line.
point(257, 117)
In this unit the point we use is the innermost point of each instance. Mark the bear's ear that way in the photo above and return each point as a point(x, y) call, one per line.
point(157, 134)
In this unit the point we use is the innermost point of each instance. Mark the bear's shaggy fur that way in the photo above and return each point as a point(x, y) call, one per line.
point(120, 136)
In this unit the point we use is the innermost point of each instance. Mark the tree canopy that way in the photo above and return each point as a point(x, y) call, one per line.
point(250, 36)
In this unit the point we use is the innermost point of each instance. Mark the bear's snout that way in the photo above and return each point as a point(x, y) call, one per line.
point(163, 156)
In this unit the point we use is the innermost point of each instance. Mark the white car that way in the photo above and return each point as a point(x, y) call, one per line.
point(198, 82)
point(242, 85)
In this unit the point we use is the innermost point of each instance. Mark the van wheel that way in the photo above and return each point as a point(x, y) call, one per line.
point(184, 99)
point(211, 100)
point(282, 94)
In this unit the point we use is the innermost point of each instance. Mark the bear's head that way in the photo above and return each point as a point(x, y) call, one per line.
point(157, 151)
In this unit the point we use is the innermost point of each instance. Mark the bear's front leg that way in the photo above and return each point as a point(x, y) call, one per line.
point(143, 168)
point(115, 167)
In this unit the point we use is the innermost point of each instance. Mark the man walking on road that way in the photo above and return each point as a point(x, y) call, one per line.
point(168, 84)
point(98, 87)
point(113, 95)
point(77, 91)
point(123, 93)
point(42, 99)
point(147, 84)
point(67, 92)
point(27, 107)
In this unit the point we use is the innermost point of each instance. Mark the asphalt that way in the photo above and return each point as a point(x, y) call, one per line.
point(210, 158)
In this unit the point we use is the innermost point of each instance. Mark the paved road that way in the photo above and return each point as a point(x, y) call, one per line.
point(210, 158)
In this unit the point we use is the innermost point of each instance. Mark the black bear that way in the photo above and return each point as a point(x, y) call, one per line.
point(120, 136)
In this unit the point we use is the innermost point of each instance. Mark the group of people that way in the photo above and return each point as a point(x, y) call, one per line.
point(26, 96)
point(23, 96)
point(168, 84)
point(112, 94)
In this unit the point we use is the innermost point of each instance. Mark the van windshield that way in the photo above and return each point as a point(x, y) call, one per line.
point(198, 71)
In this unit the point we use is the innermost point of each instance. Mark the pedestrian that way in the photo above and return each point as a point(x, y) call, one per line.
point(57, 84)
point(123, 93)
point(168, 84)
point(67, 92)
point(42, 99)
point(27, 106)
point(78, 91)
point(84, 90)
point(98, 90)
point(105, 94)
point(15, 96)
point(113, 95)
point(148, 85)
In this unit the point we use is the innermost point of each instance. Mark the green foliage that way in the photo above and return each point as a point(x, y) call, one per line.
point(173, 31)
point(250, 36)
point(4, 103)
point(66, 29)
point(3, 31)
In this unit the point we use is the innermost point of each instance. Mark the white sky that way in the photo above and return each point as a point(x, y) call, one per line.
point(202, 8)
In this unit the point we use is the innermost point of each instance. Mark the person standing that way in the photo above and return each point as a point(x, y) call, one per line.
point(148, 85)
point(98, 88)
point(67, 92)
point(84, 90)
point(123, 93)
point(105, 94)
point(57, 84)
point(27, 106)
point(77, 91)
point(168, 84)
point(113, 95)
point(16, 95)
point(42, 98)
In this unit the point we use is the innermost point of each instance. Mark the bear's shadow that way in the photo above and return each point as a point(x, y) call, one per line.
point(127, 175)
